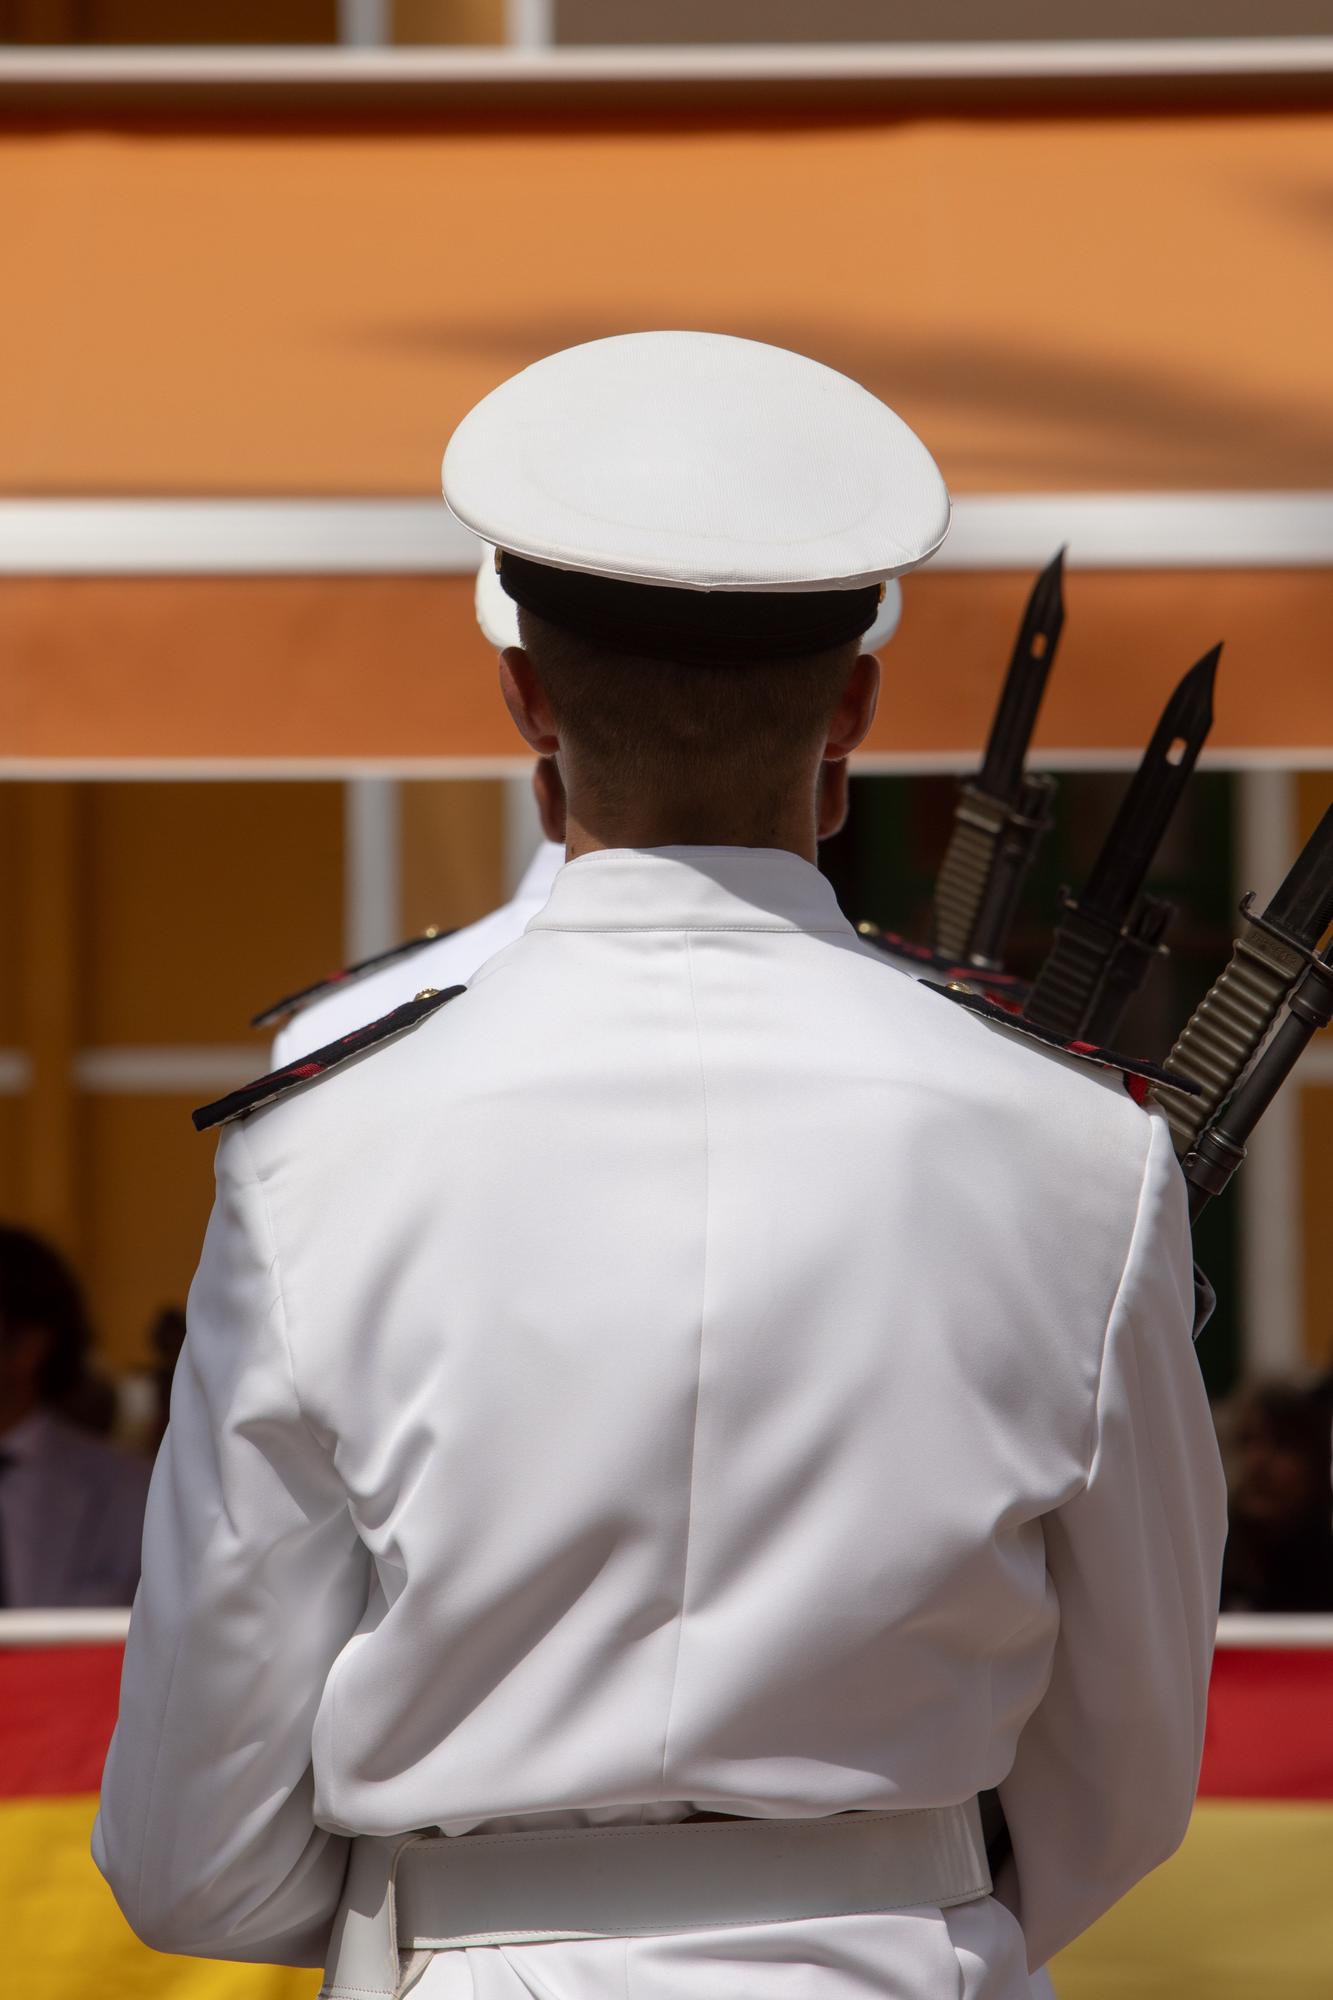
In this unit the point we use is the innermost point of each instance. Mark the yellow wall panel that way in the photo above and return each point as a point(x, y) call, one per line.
point(146, 1187)
point(449, 21)
point(207, 21)
point(13, 837)
point(204, 902)
point(12, 1193)
point(452, 852)
point(53, 992)
point(1314, 795)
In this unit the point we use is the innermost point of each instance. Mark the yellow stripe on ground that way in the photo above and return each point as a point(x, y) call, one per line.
point(64, 1939)
point(1243, 1912)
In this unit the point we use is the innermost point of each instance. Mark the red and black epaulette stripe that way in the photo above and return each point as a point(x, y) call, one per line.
point(265, 1089)
point(1007, 984)
point(1139, 1076)
point(292, 1004)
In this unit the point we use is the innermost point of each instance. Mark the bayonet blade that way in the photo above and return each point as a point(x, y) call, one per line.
point(1153, 795)
point(1001, 772)
point(988, 803)
point(1301, 908)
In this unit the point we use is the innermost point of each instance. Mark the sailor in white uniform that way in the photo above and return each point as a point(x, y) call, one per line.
point(342, 1004)
point(663, 1432)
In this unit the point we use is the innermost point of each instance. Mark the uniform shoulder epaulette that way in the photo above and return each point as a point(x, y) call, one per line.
point(1138, 1075)
point(1007, 984)
point(266, 1089)
point(292, 1004)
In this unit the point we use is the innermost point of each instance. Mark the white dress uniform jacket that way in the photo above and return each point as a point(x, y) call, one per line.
point(695, 1368)
point(446, 961)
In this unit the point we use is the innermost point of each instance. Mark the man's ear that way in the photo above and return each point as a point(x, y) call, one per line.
point(855, 711)
point(525, 698)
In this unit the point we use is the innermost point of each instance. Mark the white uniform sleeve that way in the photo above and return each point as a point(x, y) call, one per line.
point(253, 1580)
point(1104, 1778)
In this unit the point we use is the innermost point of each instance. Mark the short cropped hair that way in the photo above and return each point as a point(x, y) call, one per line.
point(686, 728)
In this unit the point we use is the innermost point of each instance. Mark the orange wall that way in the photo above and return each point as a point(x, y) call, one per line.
point(1102, 300)
point(384, 667)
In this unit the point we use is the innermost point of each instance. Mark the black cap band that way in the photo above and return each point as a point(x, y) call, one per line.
point(710, 627)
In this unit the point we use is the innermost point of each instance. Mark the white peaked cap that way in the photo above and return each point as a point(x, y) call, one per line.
point(497, 613)
point(699, 461)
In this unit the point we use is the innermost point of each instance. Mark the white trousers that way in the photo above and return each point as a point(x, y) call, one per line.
point(973, 1952)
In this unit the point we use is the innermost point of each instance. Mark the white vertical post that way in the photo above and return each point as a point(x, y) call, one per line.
point(372, 836)
point(522, 830)
point(365, 24)
point(1269, 1184)
point(529, 24)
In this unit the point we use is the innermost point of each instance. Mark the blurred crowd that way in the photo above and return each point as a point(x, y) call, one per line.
point(71, 1493)
point(74, 1474)
point(1276, 1438)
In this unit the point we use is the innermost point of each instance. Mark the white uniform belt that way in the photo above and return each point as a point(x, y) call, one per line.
point(407, 1898)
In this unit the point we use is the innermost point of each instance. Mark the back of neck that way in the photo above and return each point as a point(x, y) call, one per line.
point(793, 831)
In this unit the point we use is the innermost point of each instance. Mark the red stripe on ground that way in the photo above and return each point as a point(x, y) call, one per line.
point(1270, 1726)
point(1269, 1734)
point(57, 1711)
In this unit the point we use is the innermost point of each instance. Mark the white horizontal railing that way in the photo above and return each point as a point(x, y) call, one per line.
point(24, 1629)
point(1235, 1632)
point(371, 537)
point(347, 72)
point(1279, 1632)
point(233, 537)
point(167, 1070)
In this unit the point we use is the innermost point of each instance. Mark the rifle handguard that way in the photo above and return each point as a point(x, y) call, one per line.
point(1138, 948)
point(1068, 981)
point(1220, 1147)
point(979, 822)
point(1227, 1028)
point(1024, 830)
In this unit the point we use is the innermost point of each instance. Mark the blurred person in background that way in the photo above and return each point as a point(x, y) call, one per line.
point(71, 1504)
point(1279, 1553)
